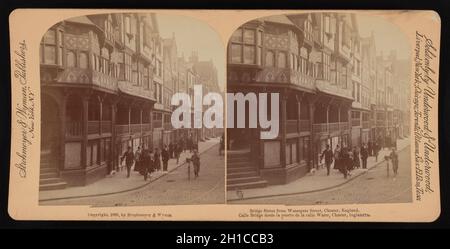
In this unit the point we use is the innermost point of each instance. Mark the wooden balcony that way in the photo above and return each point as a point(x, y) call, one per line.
point(330, 127)
point(305, 125)
point(157, 124)
point(135, 128)
point(93, 127)
point(356, 122)
point(291, 126)
point(168, 126)
point(87, 77)
point(366, 124)
point(146, 127)
point(74, 129)
point(106, 126)
point(122, 129)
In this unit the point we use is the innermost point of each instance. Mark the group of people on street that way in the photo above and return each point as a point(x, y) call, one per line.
point(146, 161)
point(346, 159)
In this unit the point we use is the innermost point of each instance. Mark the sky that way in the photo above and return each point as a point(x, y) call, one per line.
point(387, 35)
point(194, 35)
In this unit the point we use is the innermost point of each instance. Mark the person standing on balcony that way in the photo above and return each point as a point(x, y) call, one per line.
point(165, 158)
point(328, 154)
point(129, 160)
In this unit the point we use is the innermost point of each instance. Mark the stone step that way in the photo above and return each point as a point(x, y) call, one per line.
point(47, 175)
point(52, 186)
point(48, 170)
point(242, 174)
point(239, 165)
point(232, 155)
point(247, 185)
point(49, 180)
point(240, 170)
point(238, 160)
point(243, 180)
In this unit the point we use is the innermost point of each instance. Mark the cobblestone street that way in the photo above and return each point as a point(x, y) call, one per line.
point(174, 188)
point(371, 187)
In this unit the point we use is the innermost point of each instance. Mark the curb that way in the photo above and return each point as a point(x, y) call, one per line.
point(315, 190)
point(126, 190)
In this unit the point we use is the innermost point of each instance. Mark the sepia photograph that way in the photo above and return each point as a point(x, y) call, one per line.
point(343, 107)
point(106, 133)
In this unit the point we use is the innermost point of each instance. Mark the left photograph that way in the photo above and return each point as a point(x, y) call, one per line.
point(107, 135)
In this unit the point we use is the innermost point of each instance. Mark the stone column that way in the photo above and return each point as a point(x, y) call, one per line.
point(62, 141)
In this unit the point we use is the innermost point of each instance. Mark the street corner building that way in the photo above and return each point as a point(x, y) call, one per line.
point(106, 84)
point(334, 90)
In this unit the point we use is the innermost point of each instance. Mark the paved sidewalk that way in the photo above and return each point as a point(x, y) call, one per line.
point(119, 182)
point(313, 183)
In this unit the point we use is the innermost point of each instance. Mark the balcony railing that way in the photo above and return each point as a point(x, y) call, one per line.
point(168, 126)
point(330, 127)
point(291, 126)
point(74, 129)
point(366, 124)
point(106, 126)
point(135, 128)
point(157, 124)
point(305, 125)
point(122, 129)
point(94, 127)
point(146, 127)
point(333, 127)
point(356, 122)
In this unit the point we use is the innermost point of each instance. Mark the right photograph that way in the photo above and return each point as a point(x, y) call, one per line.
point(318, 110)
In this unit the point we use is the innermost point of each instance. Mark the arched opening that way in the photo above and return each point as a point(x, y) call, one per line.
point(50, 132)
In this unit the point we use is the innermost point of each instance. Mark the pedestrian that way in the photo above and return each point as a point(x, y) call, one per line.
point(394, 158)
point(222, 144)
point(129, 160)
point(165, 158)
point(356, 162)
point(337, 154)
point(328, 155)
point(364, 155)
point(183, 144)
point(195, 158)
point(157, 160)
point(171, 150)
point(137, 159)
point(345, 161)
point(394, 143)
point(178, 150)
point(147, 164)
point(370, 148)
point(376, 150)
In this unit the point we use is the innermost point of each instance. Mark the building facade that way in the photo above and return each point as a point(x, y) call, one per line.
point(106, 84)
point(331, 86)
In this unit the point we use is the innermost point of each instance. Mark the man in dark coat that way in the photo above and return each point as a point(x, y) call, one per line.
point(370, 148)
point(147, 164)
point(157, 160)
point(364, 155)
point(328, 154)
point(195, 158)
point(178, 150)
point(394, 158)
point(165, 158)
point(129, 160)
